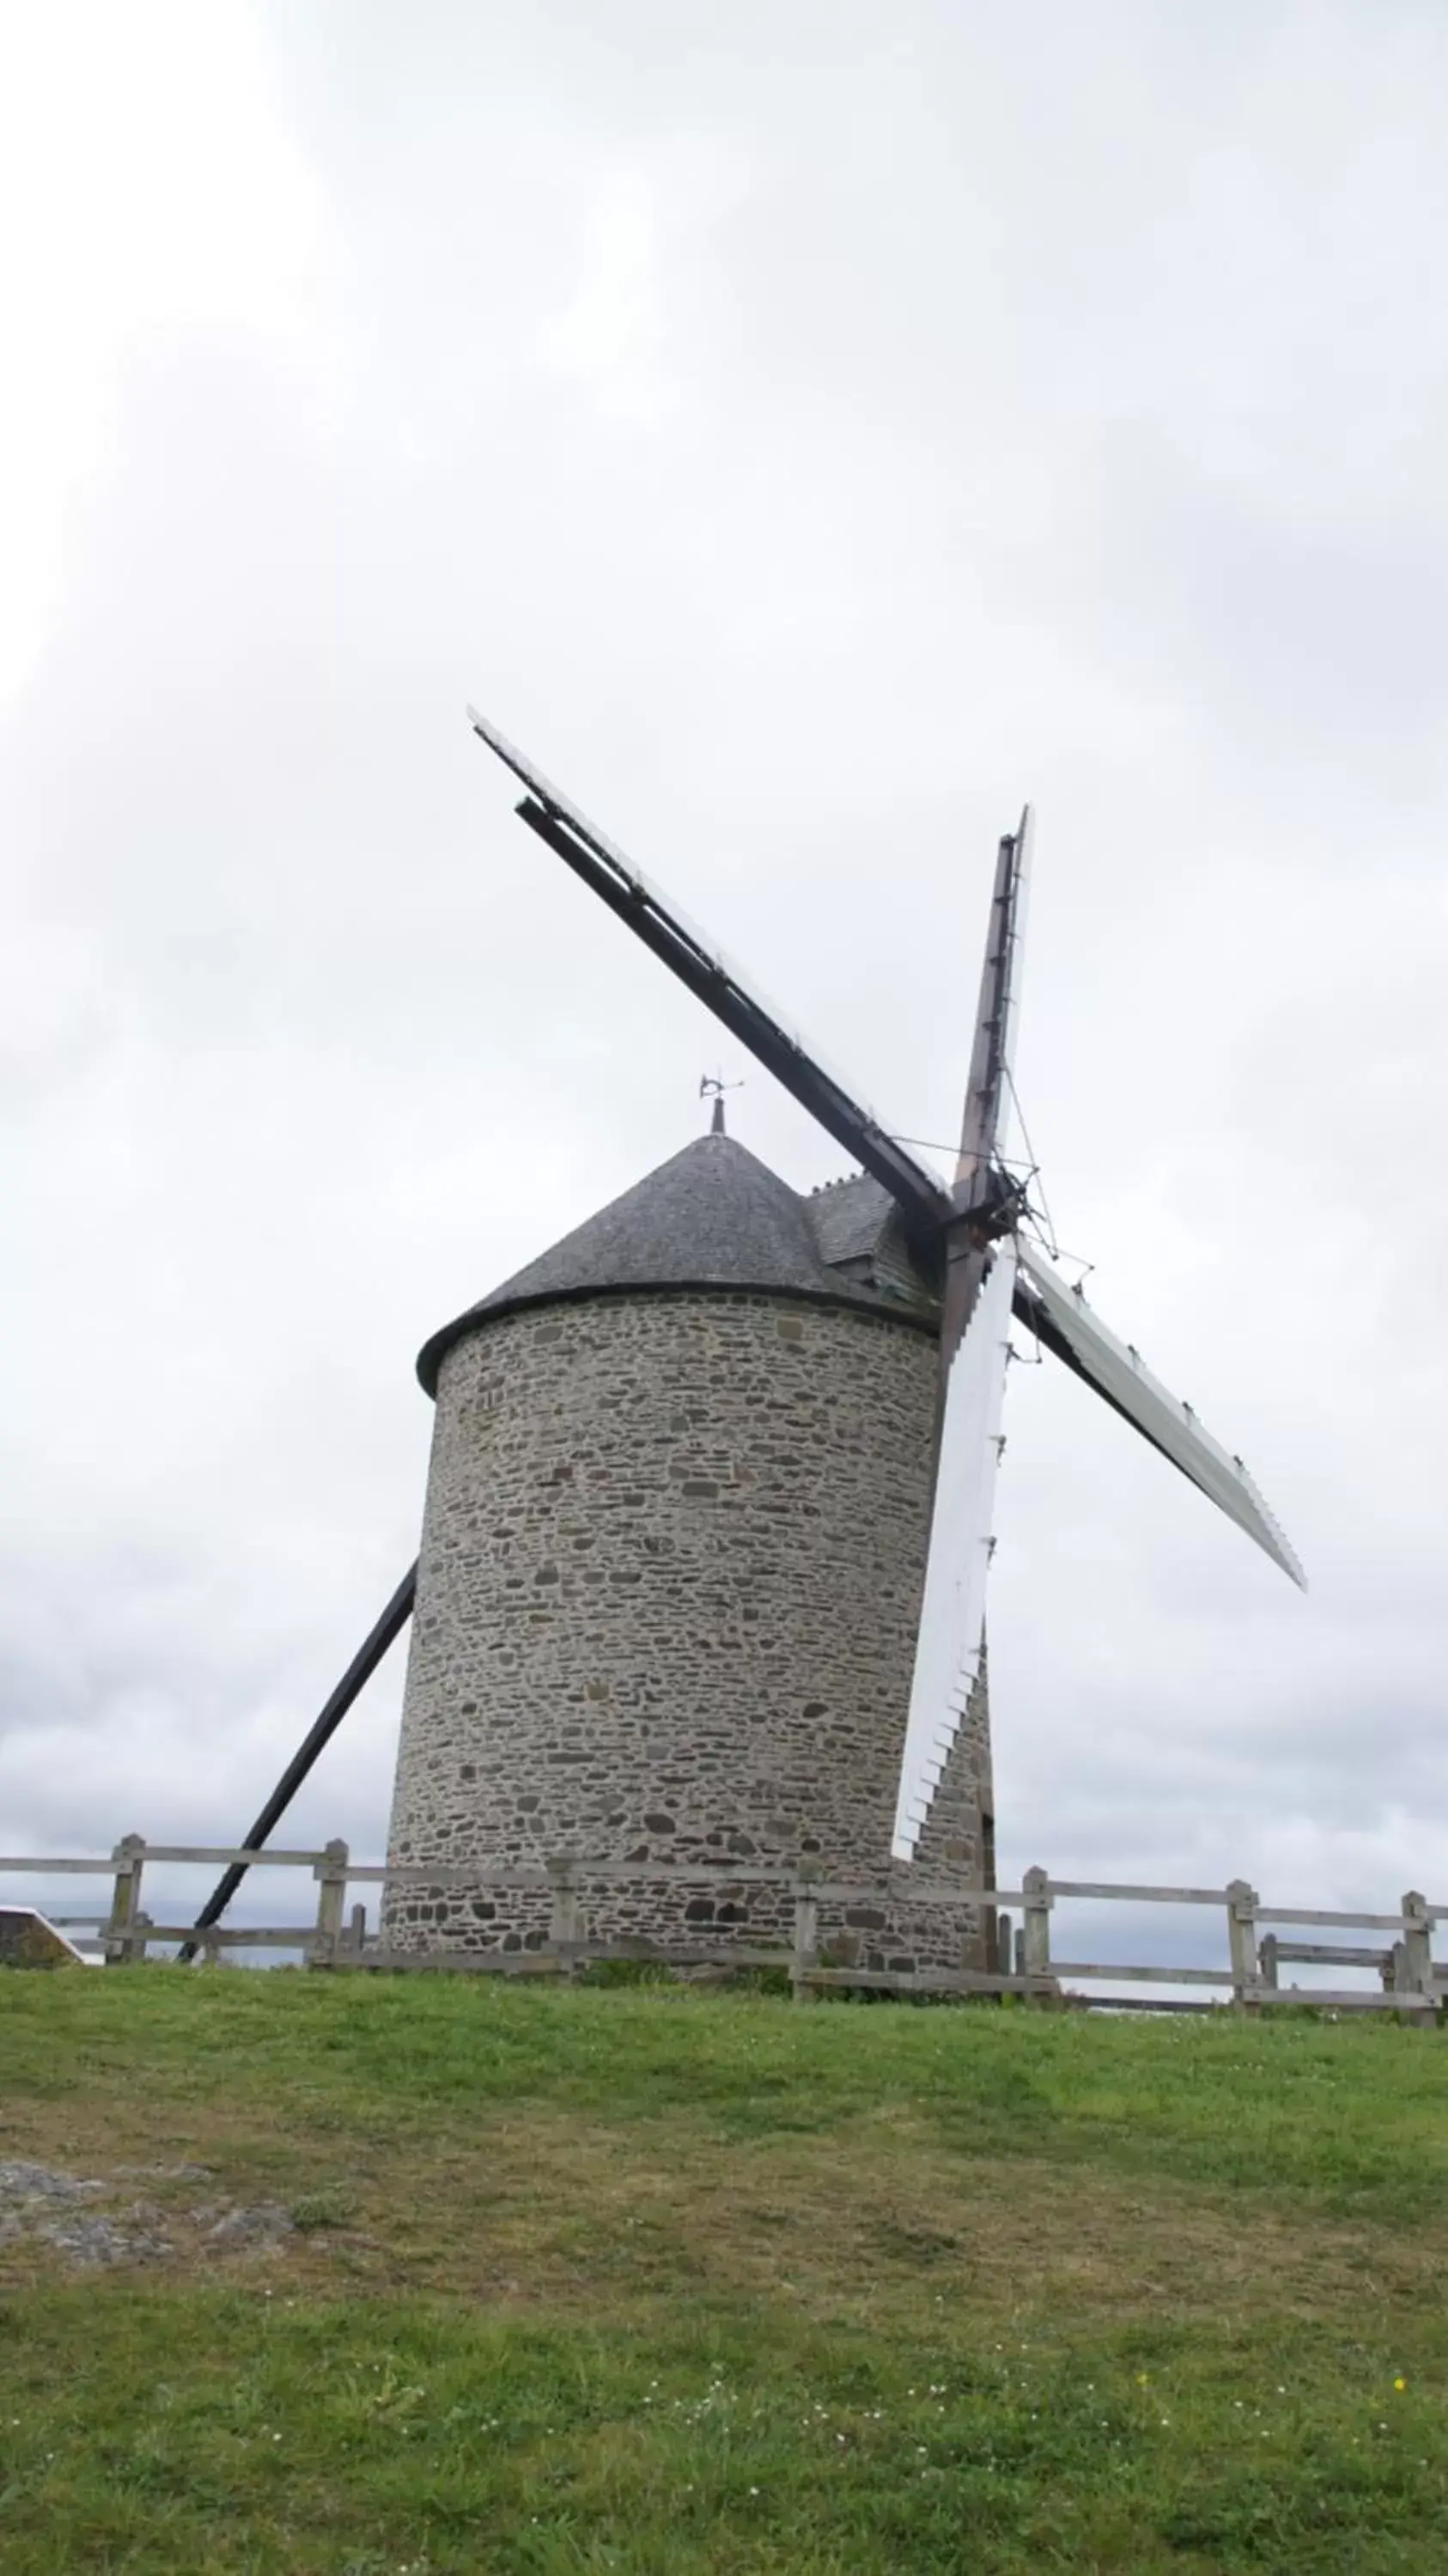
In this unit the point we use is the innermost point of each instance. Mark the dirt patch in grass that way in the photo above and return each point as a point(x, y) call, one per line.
point(544, 2209)
point(875, 2214)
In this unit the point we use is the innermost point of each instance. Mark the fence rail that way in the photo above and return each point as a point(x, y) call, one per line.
point(1410, 1981)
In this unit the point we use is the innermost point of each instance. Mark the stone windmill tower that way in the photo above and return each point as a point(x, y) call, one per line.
point(710, 1507)
point(672, 1561)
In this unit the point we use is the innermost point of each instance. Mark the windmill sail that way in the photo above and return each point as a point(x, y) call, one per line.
point(952, 1613)
point(974, 1337)
point(1063, 1321)
point(989, 1089)
point(1015, 928)
point(708, 973)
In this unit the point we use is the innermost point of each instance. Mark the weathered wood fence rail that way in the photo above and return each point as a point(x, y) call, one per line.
point(1409, 1979)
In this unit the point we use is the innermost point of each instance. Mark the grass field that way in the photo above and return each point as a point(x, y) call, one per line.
point(556, 2279)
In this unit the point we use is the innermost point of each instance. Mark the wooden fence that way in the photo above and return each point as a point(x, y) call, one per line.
point(1409, 1980)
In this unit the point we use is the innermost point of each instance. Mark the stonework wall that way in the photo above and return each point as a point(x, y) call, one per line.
point(671, 1567)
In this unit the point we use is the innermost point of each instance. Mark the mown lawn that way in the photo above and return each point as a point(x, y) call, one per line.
point(663, 2281)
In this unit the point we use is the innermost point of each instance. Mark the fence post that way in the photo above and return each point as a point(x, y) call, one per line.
point(806, 1932)
point(1399, 1977)
point(330, 1873)
point(1418, 1944)
point(1242, 1939)
point(1388, 1968)
point(1000, 1964)
point(565, 1930)
point(129, 1858)
point(1267, 1960)
point(1036, 1906)
point(356, 1939)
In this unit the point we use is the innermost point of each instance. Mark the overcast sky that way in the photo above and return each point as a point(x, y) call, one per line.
point(811, 428)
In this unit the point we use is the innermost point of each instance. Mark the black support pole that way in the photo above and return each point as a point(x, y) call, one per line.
point(360, 1670)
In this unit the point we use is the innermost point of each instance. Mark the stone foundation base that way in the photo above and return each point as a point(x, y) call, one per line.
point(884, 1935)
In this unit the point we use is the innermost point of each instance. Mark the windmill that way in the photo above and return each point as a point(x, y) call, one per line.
point(978, 1230)
point(976, 1237)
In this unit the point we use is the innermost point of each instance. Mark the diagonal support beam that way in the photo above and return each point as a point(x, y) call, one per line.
point(358, 1673)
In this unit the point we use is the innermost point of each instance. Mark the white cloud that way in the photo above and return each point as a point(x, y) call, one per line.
point(609, 338)
point(146, 190)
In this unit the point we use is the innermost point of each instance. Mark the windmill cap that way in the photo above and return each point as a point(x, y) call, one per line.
point(713, 1216)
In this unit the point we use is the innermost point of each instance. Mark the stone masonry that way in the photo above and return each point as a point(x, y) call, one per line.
point(671, 1567)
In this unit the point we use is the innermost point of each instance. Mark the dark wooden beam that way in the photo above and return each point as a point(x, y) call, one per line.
point(989, 1056)
point(923, 1202)
point(360, 1670)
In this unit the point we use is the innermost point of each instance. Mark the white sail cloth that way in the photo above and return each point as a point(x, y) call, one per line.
point(952, 1613)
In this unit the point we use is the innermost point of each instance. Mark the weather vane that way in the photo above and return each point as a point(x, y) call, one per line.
point(712, 1086)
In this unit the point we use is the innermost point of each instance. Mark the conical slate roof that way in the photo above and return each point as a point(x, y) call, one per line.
point(713, 1216)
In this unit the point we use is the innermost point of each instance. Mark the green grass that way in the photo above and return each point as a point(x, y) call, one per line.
point(659, 2281)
